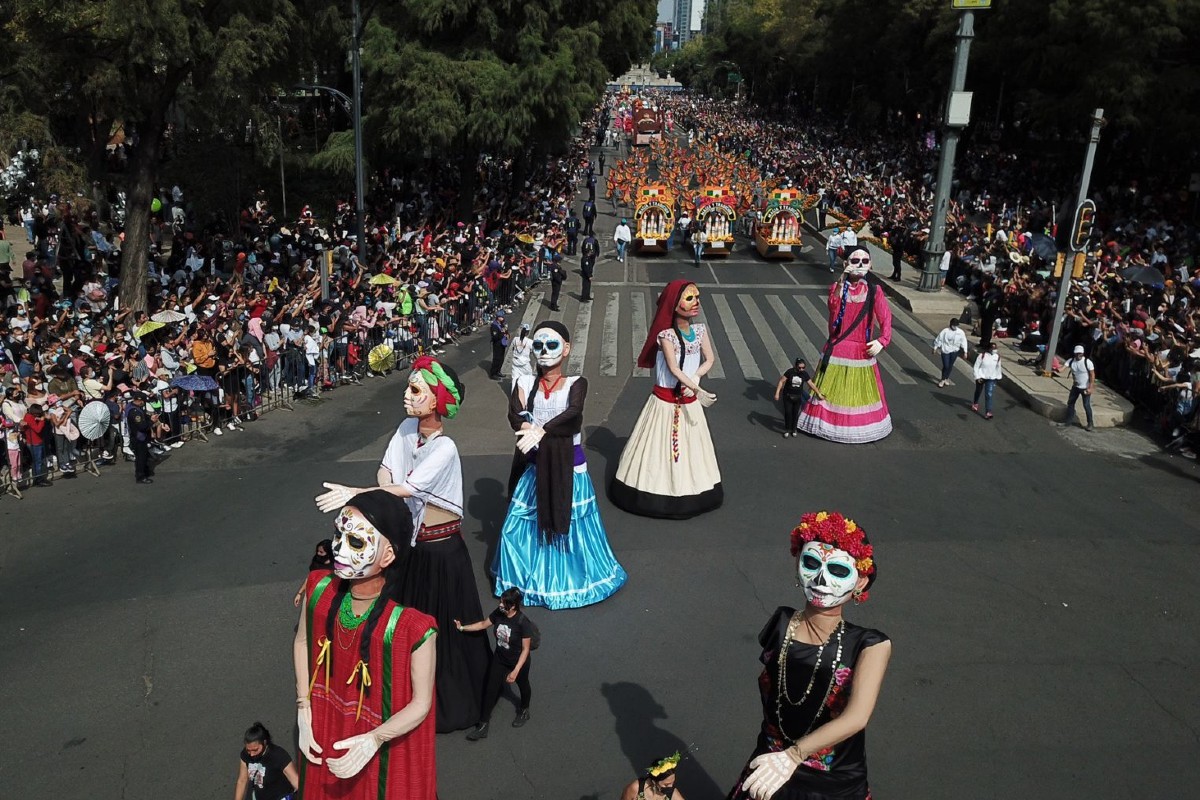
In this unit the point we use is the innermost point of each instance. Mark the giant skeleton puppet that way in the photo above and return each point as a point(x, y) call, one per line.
point(553, 546)
point(822, 674)
point(422, 466)
point(669, 466)
point(365, 665)
point(851, 407)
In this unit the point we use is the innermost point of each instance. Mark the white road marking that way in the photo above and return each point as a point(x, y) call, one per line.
point(741, 351)
point(579, 339)
point(640, 327)
point(608, 339)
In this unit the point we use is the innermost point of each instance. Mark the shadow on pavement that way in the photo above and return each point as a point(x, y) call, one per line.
point(609, 446)
point(489, 505)
point(635, 710)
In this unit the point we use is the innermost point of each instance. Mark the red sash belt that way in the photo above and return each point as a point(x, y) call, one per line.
point(439, 532)
point(668, 395)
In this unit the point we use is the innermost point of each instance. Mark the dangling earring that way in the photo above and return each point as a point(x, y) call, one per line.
point(857, 595)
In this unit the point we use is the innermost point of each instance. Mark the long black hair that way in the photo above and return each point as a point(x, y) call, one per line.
point(391, 517)
point(258, 733)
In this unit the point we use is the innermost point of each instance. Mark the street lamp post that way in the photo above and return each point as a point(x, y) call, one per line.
point(936, 248)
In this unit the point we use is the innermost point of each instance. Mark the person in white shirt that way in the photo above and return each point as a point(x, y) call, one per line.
point(987, 372)
point(1083, 380)
point(832, 245)
point(949, 343)
point(849, 239)
point(622, 236)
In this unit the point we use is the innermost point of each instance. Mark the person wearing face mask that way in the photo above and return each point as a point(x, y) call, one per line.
point(987, 373)
point(669, 466)
point(422, 466)
point(551, 494)
point(851, 407)
point(14, 410)
point(365, 665)
point(659, 782)
point(822, 675)
point(265, 768)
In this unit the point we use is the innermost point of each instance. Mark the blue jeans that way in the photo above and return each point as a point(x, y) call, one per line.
point(29, 232)
point(948, 360)
point(987, 388)
point(621, 250)
point(832, 259)
point(249, 382)
point(38, 451)
point(698, 250)
point(1087, 404)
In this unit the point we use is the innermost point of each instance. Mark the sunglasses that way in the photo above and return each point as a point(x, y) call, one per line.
point(551, 346)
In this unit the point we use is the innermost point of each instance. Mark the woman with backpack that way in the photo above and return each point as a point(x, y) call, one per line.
point(516, 636)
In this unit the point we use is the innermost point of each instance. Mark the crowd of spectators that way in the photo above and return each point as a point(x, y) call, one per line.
point(1134, 310)
point(245, 304)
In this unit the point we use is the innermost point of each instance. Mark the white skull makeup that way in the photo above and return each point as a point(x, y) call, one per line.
point(827, 574)
point(859, 264)
point(549, 348)
point(356, 546)
point(419, 400)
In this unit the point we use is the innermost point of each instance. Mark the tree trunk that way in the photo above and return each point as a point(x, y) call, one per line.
point(468, 183)
point(143, 170)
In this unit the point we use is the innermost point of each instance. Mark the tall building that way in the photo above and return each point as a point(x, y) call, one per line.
point(689, 19)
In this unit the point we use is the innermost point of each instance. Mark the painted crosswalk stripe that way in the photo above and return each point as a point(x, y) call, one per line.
point(741, 351)
point(779, 359)
point(922, 360)
point(531, 312)
point(886, 361)
point(786, 318)
point(640, 327)
point(608, 339)
point(916, 329)
point(579, 339)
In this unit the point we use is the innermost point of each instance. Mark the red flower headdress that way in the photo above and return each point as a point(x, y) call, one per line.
point(834, 529)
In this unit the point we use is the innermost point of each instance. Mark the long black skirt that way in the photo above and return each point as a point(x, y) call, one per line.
point(439, 580)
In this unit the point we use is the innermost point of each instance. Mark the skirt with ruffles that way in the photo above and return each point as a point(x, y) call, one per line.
point(668, 468)
point(570, 571)
point(854, 410)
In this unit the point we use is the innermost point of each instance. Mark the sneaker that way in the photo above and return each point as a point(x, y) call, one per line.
point(106, 456)
point(949, 383)
point(1088, 428)
point(975, 407)
point(217, 430)
point(128, 452)
point(786, 434)
point(522, 718)
point(987, 415)
point(480, 732)
point(177, 445)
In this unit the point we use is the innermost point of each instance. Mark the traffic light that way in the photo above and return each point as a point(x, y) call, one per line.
point(1084, 224)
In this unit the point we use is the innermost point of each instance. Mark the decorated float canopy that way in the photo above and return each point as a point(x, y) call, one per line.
point(780, 220)
point(654, 213)
point(716, 209)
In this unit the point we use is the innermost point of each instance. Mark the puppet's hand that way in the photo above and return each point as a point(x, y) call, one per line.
point(359, 750)
point(308, 745)
point(529, 439)
point(874, 348)
point(336, 498)
point(768, 773)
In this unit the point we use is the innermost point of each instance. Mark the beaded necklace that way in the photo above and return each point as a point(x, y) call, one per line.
point(346, 616)
point(781, 694)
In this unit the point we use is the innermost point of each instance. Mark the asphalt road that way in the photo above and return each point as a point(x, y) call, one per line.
point(1037, 583)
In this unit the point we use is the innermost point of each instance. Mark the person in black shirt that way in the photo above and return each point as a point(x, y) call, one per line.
point(265, 768)
point(557, 276)
point(514, 641)
point(587, 264)
point(499, 335)
point(793, 388)
point(141, 423)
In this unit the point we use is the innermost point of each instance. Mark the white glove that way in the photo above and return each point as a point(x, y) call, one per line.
point(359, 750)
point(686, 392)
point(707, 398)
point(768, 773)
point(874, 348)
point(308, 745)
point(336, 498)
point(529, 439)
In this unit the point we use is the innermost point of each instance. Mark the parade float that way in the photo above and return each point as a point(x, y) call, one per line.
point(653, 219)
point(777, 234)
point(647, 123)
point(716, 211)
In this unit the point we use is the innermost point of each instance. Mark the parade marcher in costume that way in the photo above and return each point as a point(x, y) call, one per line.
point(669, 467)
point(552, 546)
point(658, 783)
point(422, 465)
point(365, 665)
point(821, 675)
point(521, 348)
point(851, 407)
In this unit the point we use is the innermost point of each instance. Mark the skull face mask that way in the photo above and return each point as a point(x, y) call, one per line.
point(827, 574)
point(357, 546)
point(688, 306)
point(858, 264)
point(419, 400)
point(549, 348)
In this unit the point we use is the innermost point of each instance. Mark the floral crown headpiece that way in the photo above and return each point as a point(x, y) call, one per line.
point(665, 765)
point(834, 529)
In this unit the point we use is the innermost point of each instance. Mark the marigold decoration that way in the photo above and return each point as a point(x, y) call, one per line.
point(834, 529)
point(666, 765)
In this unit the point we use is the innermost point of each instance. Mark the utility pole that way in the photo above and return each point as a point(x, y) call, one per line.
point(958, 110)
point(356, 68)
point(1064, 287)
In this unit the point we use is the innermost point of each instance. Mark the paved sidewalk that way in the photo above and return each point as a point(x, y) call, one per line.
point(1045, 395)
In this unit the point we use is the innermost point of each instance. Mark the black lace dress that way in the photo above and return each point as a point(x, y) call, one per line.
point(835, 773)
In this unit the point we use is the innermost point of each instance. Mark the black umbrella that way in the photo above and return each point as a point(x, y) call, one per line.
point(1147, 275)
point(1043, 247)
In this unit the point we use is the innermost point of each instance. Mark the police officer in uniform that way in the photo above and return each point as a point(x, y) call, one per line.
point(557, 276)
point(140, 425)
point(587, 264)
point(572, 232)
